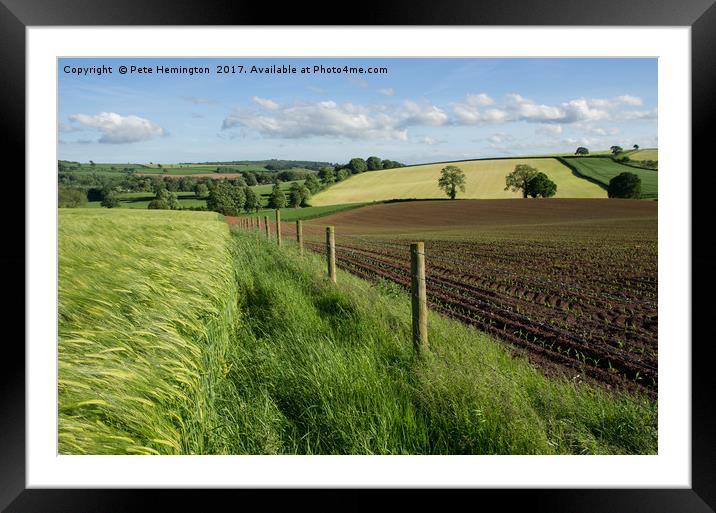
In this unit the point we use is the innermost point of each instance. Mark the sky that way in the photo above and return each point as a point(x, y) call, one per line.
point(419, 110)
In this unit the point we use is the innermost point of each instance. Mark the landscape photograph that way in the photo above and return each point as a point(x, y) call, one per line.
point(357, 256)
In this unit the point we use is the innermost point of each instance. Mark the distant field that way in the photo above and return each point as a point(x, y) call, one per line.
point(142, 199)
point(485, 180)
point(604, 169)
point(647, 154)
point(294, 214)
point(208, 170)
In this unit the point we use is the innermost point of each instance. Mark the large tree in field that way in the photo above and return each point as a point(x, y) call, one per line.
point(582, 151)
point(616, 149)
point(451, 179)
point(625, 185)
point(519, 179)
point(541, 186)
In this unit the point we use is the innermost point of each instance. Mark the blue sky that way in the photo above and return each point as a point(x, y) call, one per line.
point(421, 110)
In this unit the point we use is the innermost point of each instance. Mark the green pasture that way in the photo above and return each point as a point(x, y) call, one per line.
point(604, 169)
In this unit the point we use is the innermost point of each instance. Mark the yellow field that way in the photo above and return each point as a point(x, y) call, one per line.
point(485, 179)
point(648, 154)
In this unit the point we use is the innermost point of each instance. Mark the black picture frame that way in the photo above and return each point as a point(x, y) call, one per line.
point(700, 15)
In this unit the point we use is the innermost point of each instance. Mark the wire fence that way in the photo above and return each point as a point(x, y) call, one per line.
point(477, 289)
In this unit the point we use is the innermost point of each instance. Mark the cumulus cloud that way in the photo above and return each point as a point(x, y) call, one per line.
point(638, 114)
point(519, 108)
point(630, 100)
point(388, 91)
point(549, 129)
point(329, 118)
point(325, 118)
point(430, 141)
point(422, 114)
point(265, 103)
point(118, 129)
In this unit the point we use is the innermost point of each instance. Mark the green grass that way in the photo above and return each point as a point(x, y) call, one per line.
point(485, 179)
point(294, 214)
point(141, 200)
point(604, 169)
point(175, 337)
point(645, 154)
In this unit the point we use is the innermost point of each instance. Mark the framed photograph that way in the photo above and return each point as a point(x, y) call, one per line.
point(411, 253)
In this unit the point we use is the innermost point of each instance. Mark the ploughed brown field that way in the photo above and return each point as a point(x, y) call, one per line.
point(571, 284)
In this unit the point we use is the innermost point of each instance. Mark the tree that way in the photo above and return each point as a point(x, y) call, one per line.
point(164, 200)
point(201, 190)
point(327, 175)
point(636, 146)
point(374, 163)
point(582, 151)
point(277, 198)
point(297, 195)
point(110, 200)
point(226, 199)
point(358, 165)
point(519, 179)
point(250, 179)
point(625, 185)
point(541, 186)
point(252, 200)
point(616, 149)
point(312, 183)
point(451, 179)
point(342, 174)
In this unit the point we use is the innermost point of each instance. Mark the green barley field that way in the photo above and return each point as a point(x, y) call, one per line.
point(604, 169)
point(177, 336)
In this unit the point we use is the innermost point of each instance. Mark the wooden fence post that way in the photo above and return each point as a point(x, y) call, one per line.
point(299, 236)
point(419, 297)
point(278, 226)
point(267, 228)
point(331, 252)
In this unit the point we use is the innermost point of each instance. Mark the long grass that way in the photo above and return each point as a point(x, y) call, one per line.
point(145, 311)
point(176, 337)
point(323, 369)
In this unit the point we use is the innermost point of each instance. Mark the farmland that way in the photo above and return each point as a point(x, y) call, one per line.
point(485, 179)
point(604, 169)
point(262, 356)
point(645, 154)
point(572, 284)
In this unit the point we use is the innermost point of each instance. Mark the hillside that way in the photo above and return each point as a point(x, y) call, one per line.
point(262, 355)
point(485, 179)
point(604, 169)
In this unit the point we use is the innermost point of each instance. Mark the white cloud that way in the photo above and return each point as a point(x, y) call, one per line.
point(479, 100)
point(630, 100)
point(639, 114)
point(265, 103)
point(325, 118)
point(388, 91)
point(67, 128)
point(118, 129)
point(549, 129)
point(430, 141)
point(520, 108)
point(422, 114)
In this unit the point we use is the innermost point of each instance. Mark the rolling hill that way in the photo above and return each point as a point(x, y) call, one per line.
point(485, 179)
